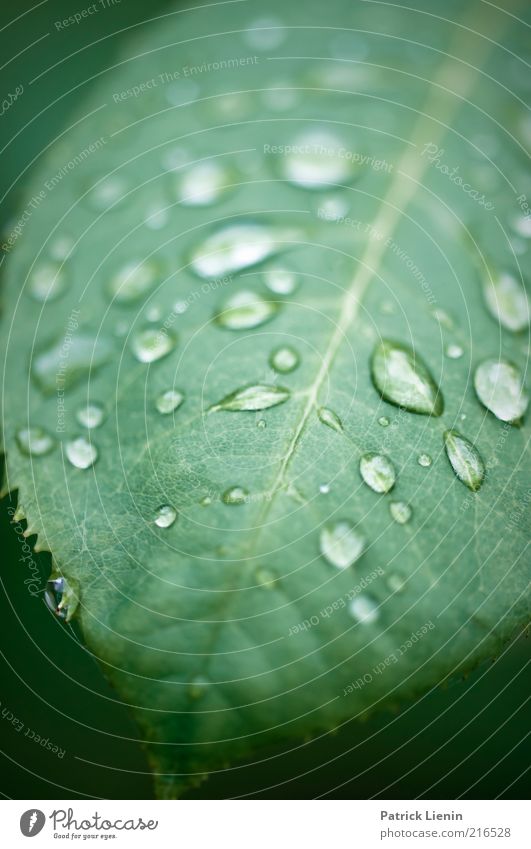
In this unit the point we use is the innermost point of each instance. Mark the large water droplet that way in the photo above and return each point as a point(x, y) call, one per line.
point(400, 512)
point(498, 384)
point(165, 516)
point(203, 184)
point(341, 544)
point(281, 281)
point(378, 472)
point(47, 282)
point(133, 281)
point(61, 596)
point(317, 159)
point(244, 311)
point(464, 459)
point(402, 378)
point(169, 401)
point(91, 415)
point(364, 610)
point(507, 301)
point(233, 248)
point(424, 460)
point(69, 360)
point(330, 419)
point(152, 344)
point(34, 441)
point(257, 396)
point(81, 452)
point(235, 495)
point(284, 359)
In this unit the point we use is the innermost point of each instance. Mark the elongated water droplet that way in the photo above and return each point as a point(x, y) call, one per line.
point(233, 248)
point(235, 495)
point(245, 310)
point(284, 359)
point(169, 401)
point(498, 385)
point(424, 460)
point(81, 452)
point(258, 396)
point(91, 415)
point(464, 459)
point(165, 516)
point(61, 596)
point(341, 544)
point(281, 281)
point(364, 610)
point(378, 472)
point(133, 281)
point(330, 419)
point(152, 344)
point(317, 158)
point(203, 184)
point(47, 282)
point(507, 301)
point(69, 360)
point(402, 378)
point(400, 512)
point(34, 441)
point(454, 352)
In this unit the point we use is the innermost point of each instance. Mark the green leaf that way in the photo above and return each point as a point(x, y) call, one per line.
point(201, 550)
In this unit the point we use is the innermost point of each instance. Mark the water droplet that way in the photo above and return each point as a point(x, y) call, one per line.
point(402, 378)
point(424, 460)
point(329, 418)
point(383, 421)
point(203, 184)
point(180, 307)
point(522, 226)
point(284, 359)
point(34, 441)
point(205, 501)
point(61, 596)
point(91, 415)
point(464, 459)
point(169, 401)
point(454, 352)
point(258, 396)
point(378, 472)
point(261, 423)
point(81, 452)
point(107, 193)
point(498, 385)
point(318, 158)
point(69, 360)
point(507, 301)
point(324, 488)
point(234, 247)
point(244, 311)
point(235, 495)
point(265, 578)
point(364, 610)
point(265, 34)
point(198, 687)
point(400, 512)
point(152, 344)
point(61, 247)
point(341, 544)
point(395, 582)
point(133, 281)
point(165, 516)
point(443, 318)
point(281, 281)
point(333, 208)
point(47, 282)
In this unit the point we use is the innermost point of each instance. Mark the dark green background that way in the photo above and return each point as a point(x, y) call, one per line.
point(468, 739)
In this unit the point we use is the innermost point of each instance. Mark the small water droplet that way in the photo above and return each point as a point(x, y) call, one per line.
point(281, 281)
point(133, 281)
point(261, 423)
point(70, 359)
point(34, 441)
point(265, 34)
point(61, 596)
point(198, 687)
point(443, 318)
point(378, 472)
point(507, 301)
point(244, 311)
point(402, 378)
point(464, 459)
point(333, 208)
point(61, 247)
point(165, 516)
point(180, 307)
point(203, 184)
point(329, 418)
point(152, 344)
point(169, 401)
point(383, 421)
point(498, 385)
point(47, 282)
point(454, 352)
point(234, 247)
point(395, 582)
point(284, 359)
point(205, 501)
point(154, 313)
point(258, 396)
point(107, 193)
point(265, 578)
point(81, 452)
point(424, 460)
point(324, 488)
point(91, 415)
point(400, 512)
point(317, 159)
point(341, 544)
point(364, 610)
point(235, 495)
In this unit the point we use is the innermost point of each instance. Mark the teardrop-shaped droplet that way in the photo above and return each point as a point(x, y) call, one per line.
point(169, 401)
point(400, 512)
point(378, 472)
point(233, 248)
point(364, 610)
point(152, 344)
point(34, 441)
point(245, 310)
point(133, 281)
point(464, 459)
point(47, 282)
point(454, 352)
point(165, 516)
point(341, 544)
point(316, 159)
point(91, 415)
point(402, 378)
point(61, 596)
point(424, 460)
point(284, 359)
point(498, 385)
point(281, 281)
point(235, 495)
point(258, 396)
point(507, 301)
point(81, 452)
point(203, 184)
point(330, 419)
point(69, 360)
